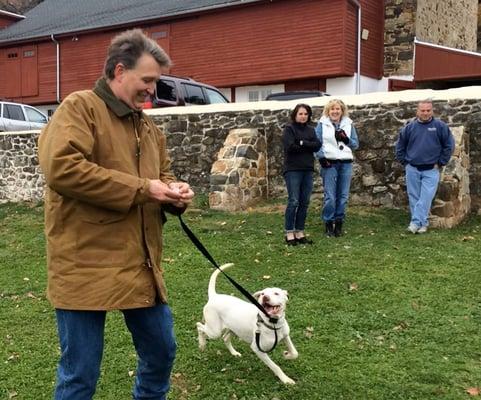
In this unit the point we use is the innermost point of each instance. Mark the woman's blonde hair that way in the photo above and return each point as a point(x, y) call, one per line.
point(332, 103)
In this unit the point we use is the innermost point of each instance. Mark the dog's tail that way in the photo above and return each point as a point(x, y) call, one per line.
point(211, 291)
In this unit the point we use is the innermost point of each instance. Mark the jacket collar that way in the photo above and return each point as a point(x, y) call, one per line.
point(102, 89)
point(343, 122)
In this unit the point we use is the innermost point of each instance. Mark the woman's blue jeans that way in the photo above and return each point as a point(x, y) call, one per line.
point(337, 182)
point(299, 189)
point(81, 335)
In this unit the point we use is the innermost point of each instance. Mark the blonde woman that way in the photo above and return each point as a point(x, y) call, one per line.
point(338, 139)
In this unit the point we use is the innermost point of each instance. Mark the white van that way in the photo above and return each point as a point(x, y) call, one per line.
point(20, 117)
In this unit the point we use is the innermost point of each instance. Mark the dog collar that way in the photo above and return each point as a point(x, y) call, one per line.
point(258, 333)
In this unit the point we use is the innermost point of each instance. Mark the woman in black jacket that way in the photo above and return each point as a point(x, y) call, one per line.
point(300, 142)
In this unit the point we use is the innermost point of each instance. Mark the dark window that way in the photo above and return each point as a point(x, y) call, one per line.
point(166, 90)
point(193, 94)
point(12, 111)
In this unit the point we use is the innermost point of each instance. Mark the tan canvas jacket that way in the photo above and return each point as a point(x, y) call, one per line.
point(101, 229)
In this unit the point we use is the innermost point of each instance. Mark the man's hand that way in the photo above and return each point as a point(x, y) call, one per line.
point(185, 191)
point(177, 193)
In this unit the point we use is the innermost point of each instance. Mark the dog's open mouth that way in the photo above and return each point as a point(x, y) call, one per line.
point(271, 310)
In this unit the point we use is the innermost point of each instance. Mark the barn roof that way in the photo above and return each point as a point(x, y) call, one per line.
point(67, 16)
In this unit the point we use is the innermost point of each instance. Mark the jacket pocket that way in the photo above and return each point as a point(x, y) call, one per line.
point(106, 238)
point(97, 215)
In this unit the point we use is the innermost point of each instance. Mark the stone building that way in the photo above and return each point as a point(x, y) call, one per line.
point(451, 30)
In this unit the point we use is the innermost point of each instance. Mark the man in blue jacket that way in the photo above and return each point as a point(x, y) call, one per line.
point(424, 147)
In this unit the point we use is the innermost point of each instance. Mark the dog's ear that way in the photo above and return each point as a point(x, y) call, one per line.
point(286, 294)
point(257, 294)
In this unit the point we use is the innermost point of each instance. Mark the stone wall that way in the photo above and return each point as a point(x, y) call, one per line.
point(197, 134)
point(20, 177)
point(479, 29)
point(453, 200)
point(451, 23)
point(378, 179)
point(399, 33)
point(238, 179)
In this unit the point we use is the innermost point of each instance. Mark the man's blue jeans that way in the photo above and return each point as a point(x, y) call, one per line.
point(337, 182)
point(81, 335)
point(421, 187)
point(299, 189)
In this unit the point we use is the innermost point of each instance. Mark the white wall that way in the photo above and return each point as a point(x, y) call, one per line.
point(347, 85)
point(242, 92)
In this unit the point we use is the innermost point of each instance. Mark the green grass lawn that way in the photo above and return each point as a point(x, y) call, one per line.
point(376, 314)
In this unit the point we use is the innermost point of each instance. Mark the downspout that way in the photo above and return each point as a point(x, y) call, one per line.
point(358, 67)
point(58, 66)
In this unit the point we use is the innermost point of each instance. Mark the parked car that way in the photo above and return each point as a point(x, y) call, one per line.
point(20, 117)
point(176, 91)
point(301, 94)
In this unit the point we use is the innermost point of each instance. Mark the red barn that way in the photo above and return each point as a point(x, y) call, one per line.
point(247, 48)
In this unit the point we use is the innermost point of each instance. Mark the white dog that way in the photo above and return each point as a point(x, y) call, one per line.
point(224, 315)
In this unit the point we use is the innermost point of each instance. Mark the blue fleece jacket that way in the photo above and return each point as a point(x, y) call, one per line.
point(425, 143)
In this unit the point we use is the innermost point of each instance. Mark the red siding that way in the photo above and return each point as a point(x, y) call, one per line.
point(271, 42)
point(434, 63)
point(306, 84)
point(10, 67)
point(19, 70)
point(350, 37)
point(29, 68)
point(296, 42)
point(372, 49)
point(82, 60)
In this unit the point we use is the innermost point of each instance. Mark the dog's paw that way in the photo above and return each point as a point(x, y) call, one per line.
point(288, 381)
point(290, 356)
point(236, 354)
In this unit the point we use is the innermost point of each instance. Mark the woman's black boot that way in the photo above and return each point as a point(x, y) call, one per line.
point(329, 228)
point(338, 228)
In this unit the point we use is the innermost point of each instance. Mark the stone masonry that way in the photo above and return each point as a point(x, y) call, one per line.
point(399, 33)
point(238, 179)
point(452, 23)
point(20, 177)
point(453, 200)
point(197, 135)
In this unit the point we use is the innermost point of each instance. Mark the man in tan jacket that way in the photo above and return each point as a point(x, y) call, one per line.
point(108, 182)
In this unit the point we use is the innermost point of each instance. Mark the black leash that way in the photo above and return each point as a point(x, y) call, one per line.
point(203, 250)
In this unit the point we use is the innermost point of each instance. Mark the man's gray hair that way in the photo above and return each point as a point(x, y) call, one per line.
point(127, 47)
point(425, 101)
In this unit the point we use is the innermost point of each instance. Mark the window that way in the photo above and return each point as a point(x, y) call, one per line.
point(214, 96)
point(12, 111)
point(256, 93)
point(35, 116)
point(193, 94)
point(159, 35)
point(253, 96)
point(166, 90)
